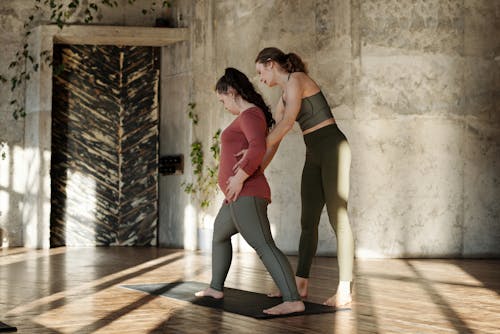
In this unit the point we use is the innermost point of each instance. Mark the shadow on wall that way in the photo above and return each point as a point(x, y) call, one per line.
point(4, 238)
point(422, 97)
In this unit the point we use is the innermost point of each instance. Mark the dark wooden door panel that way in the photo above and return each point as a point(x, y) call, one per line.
point(104, 146)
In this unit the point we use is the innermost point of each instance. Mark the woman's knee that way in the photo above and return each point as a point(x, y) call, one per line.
point(262, 246)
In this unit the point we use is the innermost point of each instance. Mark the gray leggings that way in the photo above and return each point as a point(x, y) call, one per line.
point(320, 187)
point(248, 216)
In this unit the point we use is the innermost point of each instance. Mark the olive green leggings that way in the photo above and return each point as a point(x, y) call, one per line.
point(320, 186)
point(248, 216)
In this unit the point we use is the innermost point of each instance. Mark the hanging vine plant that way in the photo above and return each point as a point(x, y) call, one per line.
point(204, 186)
point(2, 152)
point(60, 12)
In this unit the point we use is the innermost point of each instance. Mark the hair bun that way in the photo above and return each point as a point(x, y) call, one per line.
point(230, 71)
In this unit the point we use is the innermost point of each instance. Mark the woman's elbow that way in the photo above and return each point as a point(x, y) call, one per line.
point(285, 125)
point(279, 135)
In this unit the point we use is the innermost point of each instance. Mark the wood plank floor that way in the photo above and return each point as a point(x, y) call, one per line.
point(78, 290)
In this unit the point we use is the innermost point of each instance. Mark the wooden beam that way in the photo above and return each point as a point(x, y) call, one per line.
point(118, 35)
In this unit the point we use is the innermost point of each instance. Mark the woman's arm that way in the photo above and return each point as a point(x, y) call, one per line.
point(285, 117)
point(289, 112)
point(253, 126)
point(270, 152)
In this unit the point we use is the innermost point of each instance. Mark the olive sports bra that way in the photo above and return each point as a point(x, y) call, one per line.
point(314, 109)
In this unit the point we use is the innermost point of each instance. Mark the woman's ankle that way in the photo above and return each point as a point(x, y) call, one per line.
point(301, 280)
point(302, 285)
point(344, 288)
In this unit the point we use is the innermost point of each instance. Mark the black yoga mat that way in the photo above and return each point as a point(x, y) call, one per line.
point(236, 301)
point(6, 328)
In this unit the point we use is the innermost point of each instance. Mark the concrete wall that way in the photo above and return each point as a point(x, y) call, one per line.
point(426, 106)
point(24, 137)
point(12, 132)
point(414, 85)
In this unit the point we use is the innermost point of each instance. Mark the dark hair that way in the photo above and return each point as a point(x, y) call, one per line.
point(290, 62)
point(239, 82)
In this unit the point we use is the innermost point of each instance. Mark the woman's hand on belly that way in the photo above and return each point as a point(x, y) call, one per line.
point(233, 189)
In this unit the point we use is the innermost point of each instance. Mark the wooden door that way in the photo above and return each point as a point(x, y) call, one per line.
point(104, 146)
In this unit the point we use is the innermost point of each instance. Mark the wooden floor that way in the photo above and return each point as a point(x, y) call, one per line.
point(78, 290)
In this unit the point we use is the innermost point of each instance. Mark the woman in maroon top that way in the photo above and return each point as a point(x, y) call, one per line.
point(247, 192)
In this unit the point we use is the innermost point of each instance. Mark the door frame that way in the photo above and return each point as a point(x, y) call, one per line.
point(35, 213)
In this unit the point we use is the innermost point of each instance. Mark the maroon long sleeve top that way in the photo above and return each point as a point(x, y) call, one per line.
point(247, 131)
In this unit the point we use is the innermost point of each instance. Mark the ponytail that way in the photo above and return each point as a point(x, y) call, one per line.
point(239, 82)
point(290, 62)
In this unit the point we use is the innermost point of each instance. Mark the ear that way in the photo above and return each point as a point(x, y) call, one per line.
point(231, 92)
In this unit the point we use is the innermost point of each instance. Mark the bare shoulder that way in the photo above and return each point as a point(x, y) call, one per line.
point(304, 83)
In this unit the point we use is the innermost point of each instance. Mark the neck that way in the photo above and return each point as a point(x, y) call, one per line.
point(243, 104)
point(282, 79)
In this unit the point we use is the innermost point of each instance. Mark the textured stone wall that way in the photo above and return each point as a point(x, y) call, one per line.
point(426, 104)
point(415, 87)
point(481, 152)
point(11, 186)
point(413, 84)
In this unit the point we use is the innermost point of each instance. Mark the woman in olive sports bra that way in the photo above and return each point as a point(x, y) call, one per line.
point(303, 101)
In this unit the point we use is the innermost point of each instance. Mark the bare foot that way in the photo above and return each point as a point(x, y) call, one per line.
point(339, 300)
point(286, 308)
point(301, 283)
point(209, 292)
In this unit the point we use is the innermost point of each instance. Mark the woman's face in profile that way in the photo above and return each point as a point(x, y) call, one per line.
point(228, 102)
point(265, 73)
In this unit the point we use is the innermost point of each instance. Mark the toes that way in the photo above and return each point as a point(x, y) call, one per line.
point(337, 301)
point(284, 309)
point(274, 312)
point(209, 293)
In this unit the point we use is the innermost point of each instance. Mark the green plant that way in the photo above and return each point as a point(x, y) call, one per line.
point(204, 185)
point(2, 150)
point(58, 12)
point(192, 115)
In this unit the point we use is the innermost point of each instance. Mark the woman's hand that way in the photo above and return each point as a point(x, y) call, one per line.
point(240, 156)
point(235, 184)
point(233, 189)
